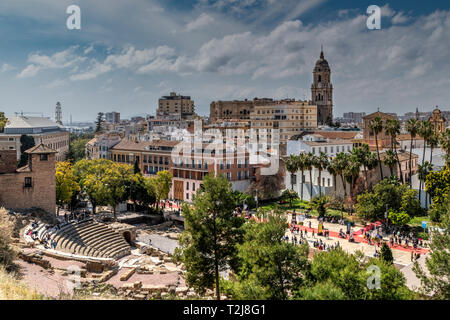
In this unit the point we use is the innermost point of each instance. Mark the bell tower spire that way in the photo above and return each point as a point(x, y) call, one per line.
point(322, 90)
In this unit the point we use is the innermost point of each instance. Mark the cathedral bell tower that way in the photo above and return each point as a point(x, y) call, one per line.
point(322, 91)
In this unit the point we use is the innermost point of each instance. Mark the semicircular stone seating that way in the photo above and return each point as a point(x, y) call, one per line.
point(88, 238)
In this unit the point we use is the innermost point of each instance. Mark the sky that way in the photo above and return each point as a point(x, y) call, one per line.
point(127, 54)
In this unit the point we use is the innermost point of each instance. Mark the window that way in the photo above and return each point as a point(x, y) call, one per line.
point(239, 175)
point(187, 185)
point(187, 195)
point(328, 181)
point(28, 182)
point(193, 186)
point(44, 157)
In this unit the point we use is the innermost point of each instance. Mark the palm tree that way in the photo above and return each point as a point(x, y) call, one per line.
point(376, 126)
point(412, 126)
point(390, 160)
point(393, 129)
point(424, 169)
point(425, 131)
point(444, 140)
point(351, 171)
point(301, 166)
point(371, 163)
point(364, 157)
point(320, 163)
point(291, 165)
point(309, 159)
point(332, 169)
point(433, 142)
point(342, 160)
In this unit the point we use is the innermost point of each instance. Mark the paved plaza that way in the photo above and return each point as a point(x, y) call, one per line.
point(402, 256)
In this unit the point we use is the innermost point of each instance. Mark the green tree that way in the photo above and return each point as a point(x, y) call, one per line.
point(77, 150)
point(376, 126)
point(372, 205)
point(308, 163)
point(398, 218)
point(3, 121)
point(436, 282)
point(320, 163)
point(444, 140)
point(66, 184)
point(333, 170)
point(291, 165)
point(438, 187)
point(267, 187)
point(26, 142)
point(99, 122)
point(115, 181)
point(301, 166)
point(319, 204)
point(346, 276)
point(162, 183)
point(90, 175)
point(412, 126)
point(141, 191)
point(136, 168)
point(390, 160)
point(351, 172)
point(212, 232)
point(269, 262)
point(386, 254)
point(393, 129)
point(424, 170)
point(342, 160)
point(425, 131)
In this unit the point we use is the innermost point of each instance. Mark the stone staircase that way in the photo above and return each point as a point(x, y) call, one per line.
point(87, 238)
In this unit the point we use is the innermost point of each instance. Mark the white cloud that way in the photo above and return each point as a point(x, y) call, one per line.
point(6, 67)
point(93, 72)
point(59, 60)
point(55, 84)
point(88, 50)
point(202, 21)
point(400, 18)
point(30, 71)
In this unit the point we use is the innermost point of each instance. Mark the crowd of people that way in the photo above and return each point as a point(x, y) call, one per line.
point(46, 241)
point(77, 216)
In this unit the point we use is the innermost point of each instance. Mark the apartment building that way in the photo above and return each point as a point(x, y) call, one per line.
point(99, 147)
point(175, 104)
point(289, 117)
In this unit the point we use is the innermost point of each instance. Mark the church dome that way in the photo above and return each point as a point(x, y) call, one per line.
point(321, 64)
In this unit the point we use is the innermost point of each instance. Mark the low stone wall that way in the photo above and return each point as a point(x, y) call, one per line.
point(36, 259)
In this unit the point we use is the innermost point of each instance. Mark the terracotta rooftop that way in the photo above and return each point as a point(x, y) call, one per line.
point(141, 146)
point(379, 114)
point(40, 148)
point(346, 135)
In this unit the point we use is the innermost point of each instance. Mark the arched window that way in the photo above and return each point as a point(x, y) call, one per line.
point(320, 78)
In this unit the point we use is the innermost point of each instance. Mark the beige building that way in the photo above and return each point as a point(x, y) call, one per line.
point(99, 146)
point(175, 104)
point(32, 186)
point(438, 121)
point(290, 117)
point(384, 140)
point(236, 110)
point(43, 130)
point(151, 156)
